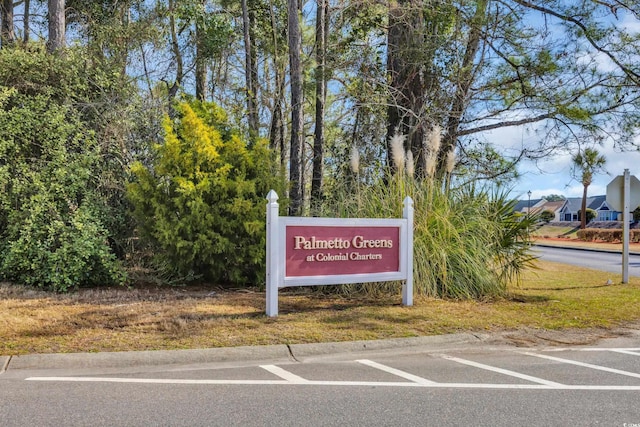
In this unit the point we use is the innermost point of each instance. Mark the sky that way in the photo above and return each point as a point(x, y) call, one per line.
point(554, 175)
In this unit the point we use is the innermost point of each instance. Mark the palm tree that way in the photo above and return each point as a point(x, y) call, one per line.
point(587, 163)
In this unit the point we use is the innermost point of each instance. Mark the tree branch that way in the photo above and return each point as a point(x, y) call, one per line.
point(635, 77)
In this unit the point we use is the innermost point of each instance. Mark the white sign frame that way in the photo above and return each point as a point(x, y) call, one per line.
point(276, 248)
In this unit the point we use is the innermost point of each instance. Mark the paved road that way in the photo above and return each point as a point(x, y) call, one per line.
point(605, 261)
point(464, 385)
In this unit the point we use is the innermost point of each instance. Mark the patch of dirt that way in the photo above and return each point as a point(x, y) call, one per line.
point(528, 337)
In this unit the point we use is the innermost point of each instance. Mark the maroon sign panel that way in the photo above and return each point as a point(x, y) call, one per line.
point(334, 250)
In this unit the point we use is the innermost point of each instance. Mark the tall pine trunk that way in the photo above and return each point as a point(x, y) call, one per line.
point(250, 72)
point(276, 129)
point(27, 20)
point(201, 64)
point(297, 134)
point(177, 56)
point(57, 25)
point(321, 85)
point(405, 113)
point(463, 85)
point(7, 36)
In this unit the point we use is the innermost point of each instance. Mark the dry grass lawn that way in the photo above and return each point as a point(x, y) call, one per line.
point(555, 297)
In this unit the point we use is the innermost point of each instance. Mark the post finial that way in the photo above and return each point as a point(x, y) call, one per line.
point(272, 197)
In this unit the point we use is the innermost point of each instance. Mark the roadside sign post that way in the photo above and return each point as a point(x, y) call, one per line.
point(304, 251)
point(625, 228)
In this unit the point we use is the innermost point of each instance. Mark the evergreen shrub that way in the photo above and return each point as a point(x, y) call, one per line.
point(201, 204)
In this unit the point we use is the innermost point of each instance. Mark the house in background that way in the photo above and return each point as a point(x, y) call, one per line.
point(607, 208)
point(570, 210)
point(553, 207)
point(523, 206)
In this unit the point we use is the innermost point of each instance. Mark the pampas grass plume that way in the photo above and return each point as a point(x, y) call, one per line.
point(355, 159)
point(435, 140)
point(451, 159)
point(410, 163)
point(397, 151)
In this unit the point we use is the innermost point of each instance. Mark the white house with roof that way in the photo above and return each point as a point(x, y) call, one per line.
point(553, 207)
point(571, 209)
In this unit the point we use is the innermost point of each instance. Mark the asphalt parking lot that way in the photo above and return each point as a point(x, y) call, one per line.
point(446, 383)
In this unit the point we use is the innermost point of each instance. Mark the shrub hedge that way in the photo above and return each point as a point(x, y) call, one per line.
point(606, 235)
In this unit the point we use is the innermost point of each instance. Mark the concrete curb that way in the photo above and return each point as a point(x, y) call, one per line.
point(146, 358)
point(4, 363)
point(297, 352)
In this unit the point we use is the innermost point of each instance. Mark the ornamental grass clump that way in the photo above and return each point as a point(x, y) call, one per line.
point(468, 243)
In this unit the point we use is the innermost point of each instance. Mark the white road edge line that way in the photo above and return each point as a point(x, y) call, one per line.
point(337, 383)
point(157, 381)
point(502, 371)
point(396, 372)
point(284, 374)
point(560, 349)
point(585, 365)
point(633, 353)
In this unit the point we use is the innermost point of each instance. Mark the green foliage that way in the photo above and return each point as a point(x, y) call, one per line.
point(554, 197)
point(468, 242)
point(586, 163)
point(201, 205)
point(64, 78)
point(547, 216)
point(92, 90)
point(52, 232)
point(591, 215)
point(59, 250)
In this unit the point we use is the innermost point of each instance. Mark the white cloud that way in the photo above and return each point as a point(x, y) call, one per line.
point(553, 175)
point(630, 23)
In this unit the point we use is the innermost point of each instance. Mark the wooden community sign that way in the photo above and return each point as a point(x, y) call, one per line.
point(305, 251)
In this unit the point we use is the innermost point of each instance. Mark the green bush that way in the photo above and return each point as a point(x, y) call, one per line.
point(52, 233)
point(60, 252)
point(547, 216)
point(201, 204)
point(591, 215)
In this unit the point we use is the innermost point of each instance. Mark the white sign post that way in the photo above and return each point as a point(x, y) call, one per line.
point(625, 228)
point(326, 251)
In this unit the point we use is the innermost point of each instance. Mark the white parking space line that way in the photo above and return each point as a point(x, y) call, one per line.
point(585, 365)
point(502, 371)
point(290, 379)
point(284, 374)
point(337, 383)
point(396, 372)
